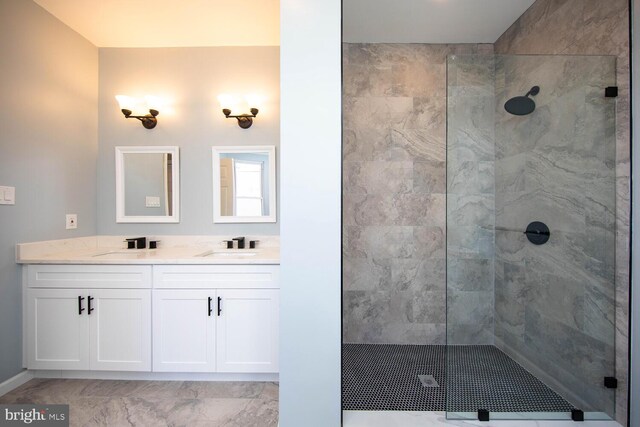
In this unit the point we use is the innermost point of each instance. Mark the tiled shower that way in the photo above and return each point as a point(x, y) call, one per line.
point(440, 183)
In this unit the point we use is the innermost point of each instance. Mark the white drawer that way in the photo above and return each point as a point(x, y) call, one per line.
point(216, 276)
point(89, 276)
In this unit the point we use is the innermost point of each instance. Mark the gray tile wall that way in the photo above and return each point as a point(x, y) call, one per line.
point(470, 199)
point(394, 193)
point(592, 27)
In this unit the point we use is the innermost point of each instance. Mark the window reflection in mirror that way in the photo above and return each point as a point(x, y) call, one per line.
point(244, 184)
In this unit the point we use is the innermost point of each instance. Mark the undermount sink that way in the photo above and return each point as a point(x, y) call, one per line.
point(238, 253)
point(117, 254)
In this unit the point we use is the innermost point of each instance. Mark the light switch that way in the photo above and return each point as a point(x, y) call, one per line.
point(152, 202)
point(7, 195)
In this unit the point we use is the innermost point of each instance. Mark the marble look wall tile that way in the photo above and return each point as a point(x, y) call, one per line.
point(468, 320)
point(416, 145)
point(471, 177)
point(367, 274)
point(389, 241)
point(366, 144)
point(430, 242)
point(603, 30)
point(470, 274)
point(562, 348)
point(378, 177)
point(395, 109)
point(549, 168)
point(420, 209)
point(352, 243)
point(511, 298)
point(365, 209)
point(471, 210)
point(471, 242)
point(378, 113)
point(429, 177)
point(418, 274)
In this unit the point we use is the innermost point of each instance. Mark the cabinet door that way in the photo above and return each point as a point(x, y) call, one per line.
point(247, 330)
point(57, 333)
point(120, 325)
point(184, 330)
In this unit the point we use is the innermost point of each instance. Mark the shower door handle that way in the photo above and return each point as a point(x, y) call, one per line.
point(537, 232)
point(533, 232)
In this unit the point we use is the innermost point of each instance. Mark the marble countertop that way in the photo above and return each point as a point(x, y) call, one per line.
point(98, 250)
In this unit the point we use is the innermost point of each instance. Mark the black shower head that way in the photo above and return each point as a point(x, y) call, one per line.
point(522, 105)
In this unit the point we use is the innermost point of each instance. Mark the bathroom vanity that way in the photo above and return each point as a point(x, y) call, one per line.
point(189, 307)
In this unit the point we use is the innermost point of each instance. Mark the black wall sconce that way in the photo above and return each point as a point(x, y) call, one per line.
point(244, 120)
point(149, 121)
point(228, 102)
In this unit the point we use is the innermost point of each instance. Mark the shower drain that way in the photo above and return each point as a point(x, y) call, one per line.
point(428, 381)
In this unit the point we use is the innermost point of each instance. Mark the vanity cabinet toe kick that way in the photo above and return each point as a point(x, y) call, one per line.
point(151, 318)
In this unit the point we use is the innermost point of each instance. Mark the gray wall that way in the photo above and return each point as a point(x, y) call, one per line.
point(48, 146)
point(310, 292)
point(592, 27)
point(394, 105)
point(189, 80)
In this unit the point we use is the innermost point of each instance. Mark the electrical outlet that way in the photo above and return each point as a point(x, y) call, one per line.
point(72, 221)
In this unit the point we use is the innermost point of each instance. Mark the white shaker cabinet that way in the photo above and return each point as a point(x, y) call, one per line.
point(57, 333)
point(97, 329)
point(184, 333)
point(248, 330)
point(216, 318)
point(172, 318)
point(88, 317)
point(120, 329)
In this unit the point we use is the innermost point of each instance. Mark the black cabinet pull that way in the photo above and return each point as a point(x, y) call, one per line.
point(210, 309)
point(80, 309)
point(219, 305)
point(90, 308)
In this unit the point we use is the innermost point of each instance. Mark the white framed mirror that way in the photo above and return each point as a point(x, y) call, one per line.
point(147, 184)
point(244, 184)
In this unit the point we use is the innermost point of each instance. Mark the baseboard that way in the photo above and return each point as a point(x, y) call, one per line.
point(15, 382)
point(153, 376)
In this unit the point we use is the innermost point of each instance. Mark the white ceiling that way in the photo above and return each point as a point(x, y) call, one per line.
point(171, 23)
point(175, 23)
point(429, 21)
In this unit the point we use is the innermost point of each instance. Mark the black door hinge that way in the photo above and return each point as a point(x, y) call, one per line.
point(611, 92)
point(610, 382)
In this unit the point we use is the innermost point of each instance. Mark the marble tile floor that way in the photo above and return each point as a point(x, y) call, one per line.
point(155, 403)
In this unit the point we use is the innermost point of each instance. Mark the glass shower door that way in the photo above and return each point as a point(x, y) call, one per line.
point(530, 237)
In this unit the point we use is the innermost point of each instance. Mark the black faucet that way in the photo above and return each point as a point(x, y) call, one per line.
point(240, 242)
point(137, 243)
